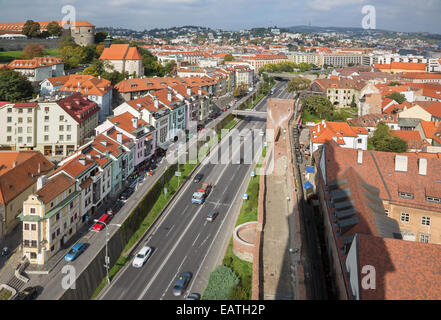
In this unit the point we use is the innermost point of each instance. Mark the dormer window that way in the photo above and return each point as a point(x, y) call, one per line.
point(405, 195)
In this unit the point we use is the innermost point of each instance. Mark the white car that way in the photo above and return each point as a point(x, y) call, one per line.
point(262, 133)
point(142, 257)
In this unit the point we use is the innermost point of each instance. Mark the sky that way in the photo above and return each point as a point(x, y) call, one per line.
point(395, 15)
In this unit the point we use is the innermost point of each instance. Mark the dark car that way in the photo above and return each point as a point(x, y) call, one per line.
point(211, 216)
point(182, 283)
point(126, 194)
point(193, 296)
point(30, 293)
point(198, 178)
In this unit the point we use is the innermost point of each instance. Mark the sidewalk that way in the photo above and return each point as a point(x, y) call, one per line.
point(8, 265)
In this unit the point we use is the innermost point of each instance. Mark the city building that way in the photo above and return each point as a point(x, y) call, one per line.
point(340, 92)
point(19, 171)
point(39, 68)
point(123, 58)
point(50, 217)
point(55, 128)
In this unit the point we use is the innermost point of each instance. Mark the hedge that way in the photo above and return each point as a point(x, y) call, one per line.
point(222, 280)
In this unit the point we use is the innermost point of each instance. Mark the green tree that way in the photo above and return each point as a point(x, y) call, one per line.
point(319, 106)
point(353, 103)
point(228, 57)
point(31, 29)
point(393, 84)
point(384, 140)
point(304, 67)
point(14, 87)
point(54, 29)
point(298, 84)
point(398, 97)
point(100, 36)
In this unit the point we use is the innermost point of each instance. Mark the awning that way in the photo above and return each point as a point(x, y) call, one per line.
point(310, 169)
point(308, 185)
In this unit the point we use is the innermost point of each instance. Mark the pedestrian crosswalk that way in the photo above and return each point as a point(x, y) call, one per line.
point(16, 283)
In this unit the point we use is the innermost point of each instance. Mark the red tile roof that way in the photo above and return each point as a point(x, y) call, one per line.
point(79, 107)
point(54, 186)
point(120, 52)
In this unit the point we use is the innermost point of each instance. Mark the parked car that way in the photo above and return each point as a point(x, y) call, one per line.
point(142, 256)
point(105, 218)
point(198, 178)
point(193, 296)
point(126, 194)
point(181, 284)
point(262, 132)
point(211, 216)
point(30, 293)
point(74, 252)
point(110, 211)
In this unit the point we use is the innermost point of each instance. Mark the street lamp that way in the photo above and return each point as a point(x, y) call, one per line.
point(107, 259)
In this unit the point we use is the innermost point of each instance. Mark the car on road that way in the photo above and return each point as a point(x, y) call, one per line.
point(212, 215)
point(181, 284)
point(198, 178)
point(30, 293)
point(126, 194)
point(101, 223)
point(142, 256)
point(262, 132)
point(110, 211)
point(239, 161)
point(193, 296)
point(74, 252)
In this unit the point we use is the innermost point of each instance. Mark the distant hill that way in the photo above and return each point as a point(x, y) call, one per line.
point(314, 29)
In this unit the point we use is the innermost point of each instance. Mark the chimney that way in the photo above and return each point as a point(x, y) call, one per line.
point(39, 170)
point(156, 103)
point(422, 166)
point(169, 96)
point(41, 181)
point(119, 137)
point(360, 156)
point(401, 163)
point(189, 91)
point(135, 123)
point(199, 91)
point(82, 160)
point(14, 164)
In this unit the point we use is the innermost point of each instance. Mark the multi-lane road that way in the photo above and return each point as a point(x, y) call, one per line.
point(184, 241)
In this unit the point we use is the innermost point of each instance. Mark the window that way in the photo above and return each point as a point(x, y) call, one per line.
point(46, 138)
point(53, 235)
point(20, 120)
point(425, 221)
point(57, 217)
point(432, 199)
point(20, 130)
point(61, 118)
point(29, 129)
point(29, 119)
point(9, 119)
point(61, 137)
point(33, 227)
point(8, 138)
point(68, 127)
point(387, 212)
point(405, 217)
point(52, 248)
point(32, 211)
point(9, 129)
point(46, 128)
point(29, 139)
point(405, 195)
point(33, 255)
point(9, 110)
point(359, 140)
point(46, 109)
point(424, 238)
point(29, 110)
point(61, 128)
point(20, 139)
point(26, 226)
point(46, 118)
point(20, 110)
point(58, 231)
point(68, 137)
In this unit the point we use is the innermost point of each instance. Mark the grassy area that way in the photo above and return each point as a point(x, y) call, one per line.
point(8, 56)
point(230, 124)
point(5, 294)
point(254, 102)
point(340, 115)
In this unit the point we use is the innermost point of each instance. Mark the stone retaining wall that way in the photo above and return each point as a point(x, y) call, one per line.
point(242, 249)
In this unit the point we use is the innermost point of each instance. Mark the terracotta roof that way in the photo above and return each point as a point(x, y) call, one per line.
point(421, 75)
point(405, 270)
point(124, 121)
point(15, 180)
point(435, 109)
point(324, 132)
point(429, 128)
point(54, 186)
point(120, 52)
point(17, 27)
point(37, 62)
point(79, 107)
point(86, 84)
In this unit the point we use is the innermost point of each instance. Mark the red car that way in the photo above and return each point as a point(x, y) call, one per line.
point(100, 225)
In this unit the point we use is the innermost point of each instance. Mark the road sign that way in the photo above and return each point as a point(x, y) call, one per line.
point(178, 174)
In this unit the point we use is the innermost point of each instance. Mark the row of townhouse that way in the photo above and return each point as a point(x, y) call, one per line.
point(380, 210)
point(63, 201)
point(56, 128)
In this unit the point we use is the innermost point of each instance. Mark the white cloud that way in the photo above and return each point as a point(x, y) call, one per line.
point(326, 5)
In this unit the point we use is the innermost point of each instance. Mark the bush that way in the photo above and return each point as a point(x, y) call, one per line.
point(222, 280)
point(239, 293)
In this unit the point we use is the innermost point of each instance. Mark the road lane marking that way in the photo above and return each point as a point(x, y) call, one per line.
point(169, 230)
point(179, 240)
point(204, 240)
point(196, 239)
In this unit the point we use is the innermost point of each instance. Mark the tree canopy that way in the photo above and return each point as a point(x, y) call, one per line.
point(32, 50)
point(398, 97)
point(298, 84)
point(319, 106)
point(14, 87)
point(229, 57)
point(31, 29)
point(54, 29)
point(384, 140)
